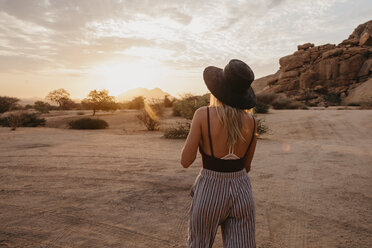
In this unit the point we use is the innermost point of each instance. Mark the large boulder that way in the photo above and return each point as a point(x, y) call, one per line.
point(362, 29)
point(327, 69)
point(350, 42)
point(366, 69)
point(307, 78)
point(350, 68)
point(288, 74)
point(365, 40)
point(332, 53)
point(361, 93)
point(290, 62)
point(305, 46)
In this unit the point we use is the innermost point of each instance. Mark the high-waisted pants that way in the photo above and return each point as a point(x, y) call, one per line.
point(222, 198)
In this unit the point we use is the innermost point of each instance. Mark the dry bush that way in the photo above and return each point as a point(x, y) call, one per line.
point(262, 127)
point(149, 118)
point(137, 103)
point(157, 105)
point(14, 121)
point(168, 102)
point(88, 123)
point(42, 107)
point(266, 98)
point(179, 132)
point(332, 99)
point(188, 104)
point(8, 103)
point(22, 119)
point(286, 103)
point(261, 108)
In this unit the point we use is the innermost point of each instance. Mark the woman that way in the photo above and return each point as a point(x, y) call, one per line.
point(225, 133)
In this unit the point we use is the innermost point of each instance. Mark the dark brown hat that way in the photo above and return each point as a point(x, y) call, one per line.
point(232, 85)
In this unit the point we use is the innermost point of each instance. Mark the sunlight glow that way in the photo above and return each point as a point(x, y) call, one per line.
point(118, 77)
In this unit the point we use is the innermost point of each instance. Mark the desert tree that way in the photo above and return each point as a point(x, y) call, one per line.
point(61, 97)
point(137, 103)
point(42, 107)
point(100, 100)
point(7, 103)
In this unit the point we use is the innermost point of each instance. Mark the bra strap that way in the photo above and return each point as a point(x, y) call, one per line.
point(253, 134)
point(209, 133)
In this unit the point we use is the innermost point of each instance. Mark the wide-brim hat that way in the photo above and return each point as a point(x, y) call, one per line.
point(231, 85)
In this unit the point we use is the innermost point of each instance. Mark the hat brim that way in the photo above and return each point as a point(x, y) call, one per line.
point(214, 79)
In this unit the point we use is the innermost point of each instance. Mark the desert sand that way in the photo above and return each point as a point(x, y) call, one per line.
point(124, 186)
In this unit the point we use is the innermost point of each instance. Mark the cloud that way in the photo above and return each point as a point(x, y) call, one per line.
point(75, 35)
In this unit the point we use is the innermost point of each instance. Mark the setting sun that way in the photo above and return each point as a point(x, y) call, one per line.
point(118, 77)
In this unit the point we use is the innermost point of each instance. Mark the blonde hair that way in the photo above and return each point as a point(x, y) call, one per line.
point(231, 119)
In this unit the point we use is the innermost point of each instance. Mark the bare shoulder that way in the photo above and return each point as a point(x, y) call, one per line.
point(248, 120)
point(248, 117)
point(199, 114)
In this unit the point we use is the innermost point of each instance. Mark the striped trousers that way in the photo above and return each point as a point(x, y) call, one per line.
point(225, 199)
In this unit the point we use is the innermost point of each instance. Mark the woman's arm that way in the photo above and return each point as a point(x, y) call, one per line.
point(190, 148)
point(250, 154)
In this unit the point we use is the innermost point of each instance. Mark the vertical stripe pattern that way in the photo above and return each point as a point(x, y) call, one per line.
point(225, 199)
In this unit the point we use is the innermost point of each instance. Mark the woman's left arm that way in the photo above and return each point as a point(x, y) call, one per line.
point(190, 148)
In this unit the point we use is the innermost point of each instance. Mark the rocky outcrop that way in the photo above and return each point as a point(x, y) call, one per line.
point(259, 84)
point(361, 93)
point(312, 73)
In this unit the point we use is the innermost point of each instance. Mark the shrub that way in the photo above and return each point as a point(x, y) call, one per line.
point(157, 105)
point(15, 120)
point(189, 104)
point(28, 106)
point(261, 108)
point(80, 113)
point(137, 103)
point(149, 118)
point(8, 103)
point(261, 126)
point(286, 103)
point(179, 132)
point(332, 99)
point(42, 107)
point(168, 102)
point(88, 123)
point(266, 98)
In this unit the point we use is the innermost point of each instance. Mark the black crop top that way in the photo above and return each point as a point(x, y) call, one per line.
point(210, 162)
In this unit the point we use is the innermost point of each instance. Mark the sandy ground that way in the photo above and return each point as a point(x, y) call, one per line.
point(124, 187)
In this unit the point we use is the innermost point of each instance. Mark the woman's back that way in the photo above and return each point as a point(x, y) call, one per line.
point(219, 135)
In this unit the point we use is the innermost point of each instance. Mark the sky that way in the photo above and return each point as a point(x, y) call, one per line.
point(81, 45)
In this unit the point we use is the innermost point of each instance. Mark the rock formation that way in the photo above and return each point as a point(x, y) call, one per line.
point(325, 74)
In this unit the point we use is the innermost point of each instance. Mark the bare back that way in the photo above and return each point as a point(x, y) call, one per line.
point(219, 134)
